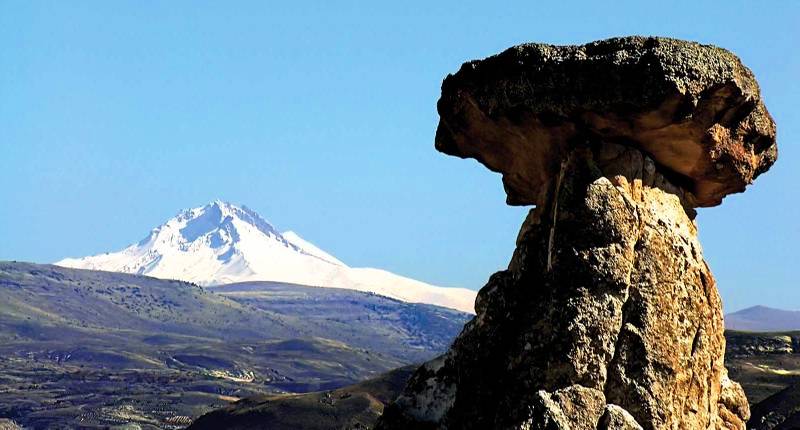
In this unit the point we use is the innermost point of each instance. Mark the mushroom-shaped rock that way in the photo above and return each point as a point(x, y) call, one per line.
point(607, 316)
point(694, 109)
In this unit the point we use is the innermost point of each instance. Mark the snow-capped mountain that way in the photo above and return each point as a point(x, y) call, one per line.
point(221, 243)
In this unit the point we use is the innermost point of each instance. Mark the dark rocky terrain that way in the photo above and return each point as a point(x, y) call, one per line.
point(780, 411)
point(766, 365)
point(88, 349)
point(95, 350)
point(354, 407)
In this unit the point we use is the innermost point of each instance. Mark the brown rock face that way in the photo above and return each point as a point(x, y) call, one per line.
point(694, 109)
point(607, 317)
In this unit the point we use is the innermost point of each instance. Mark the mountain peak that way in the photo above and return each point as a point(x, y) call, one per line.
point(763, 318)
point(219, 213)
point(221, 243)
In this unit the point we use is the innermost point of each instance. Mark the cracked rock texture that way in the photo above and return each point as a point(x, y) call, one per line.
point(695, 109)
point(608, 316)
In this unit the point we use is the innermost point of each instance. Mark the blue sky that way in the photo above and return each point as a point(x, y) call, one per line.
point(321, 116)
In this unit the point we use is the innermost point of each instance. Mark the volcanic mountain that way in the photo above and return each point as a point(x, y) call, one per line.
point(221, 243)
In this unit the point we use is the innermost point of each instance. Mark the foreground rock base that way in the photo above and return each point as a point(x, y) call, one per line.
point(607, 318)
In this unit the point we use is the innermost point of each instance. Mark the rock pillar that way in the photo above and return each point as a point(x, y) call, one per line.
point(608, 316)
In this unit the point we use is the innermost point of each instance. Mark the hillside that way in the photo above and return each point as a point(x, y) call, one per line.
point(767, 365)
point(102, 348)
point(354, 407)
point(369, 321)
point(781, 411)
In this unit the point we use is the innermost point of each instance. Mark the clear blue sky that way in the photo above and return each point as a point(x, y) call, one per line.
point(321, 116)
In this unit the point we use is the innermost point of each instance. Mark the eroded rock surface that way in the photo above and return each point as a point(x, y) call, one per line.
point(607, 316)
point(693, 108)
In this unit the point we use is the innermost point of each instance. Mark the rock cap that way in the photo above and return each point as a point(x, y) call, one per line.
point(695, 109)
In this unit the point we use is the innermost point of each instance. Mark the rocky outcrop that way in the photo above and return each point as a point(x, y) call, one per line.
point(744, 344)
point(607, 316)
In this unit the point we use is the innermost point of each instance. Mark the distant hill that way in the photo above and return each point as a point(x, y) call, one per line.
point(409, 331)
point(158, 353)
point(762, 318)
point(221, 243)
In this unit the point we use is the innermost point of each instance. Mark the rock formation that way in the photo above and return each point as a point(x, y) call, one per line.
point(607, 316)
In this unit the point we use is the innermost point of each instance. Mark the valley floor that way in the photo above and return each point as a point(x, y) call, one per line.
point(94, 386)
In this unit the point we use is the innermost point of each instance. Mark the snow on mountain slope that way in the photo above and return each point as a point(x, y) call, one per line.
point(221, 243)
point(309, 247)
